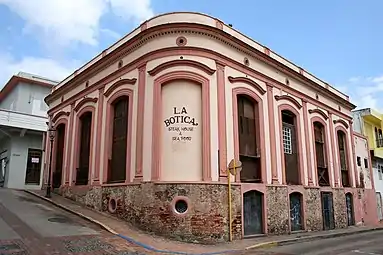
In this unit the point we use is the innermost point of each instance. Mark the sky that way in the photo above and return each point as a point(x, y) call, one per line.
point(339, 41)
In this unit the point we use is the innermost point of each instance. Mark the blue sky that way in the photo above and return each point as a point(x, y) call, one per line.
point(337, 40)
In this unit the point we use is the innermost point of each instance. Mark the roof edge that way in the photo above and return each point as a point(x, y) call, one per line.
point(16, 79)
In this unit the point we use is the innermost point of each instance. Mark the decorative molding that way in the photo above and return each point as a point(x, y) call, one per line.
point(144, 26)
point(248, 81)
point(340, 121)
point(181, 62)
point(188, 51)
point(59, 114)
point(119, 83)
point(222, 142)
point(152, 33)
point(218, 24)
point(288, 98)
point(84, 101)
point(320, 112)
point(181, 41)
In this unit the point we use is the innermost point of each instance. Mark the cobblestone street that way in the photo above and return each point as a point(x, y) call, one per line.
point(29, 226)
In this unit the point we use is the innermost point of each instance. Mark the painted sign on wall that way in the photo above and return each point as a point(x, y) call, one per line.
point(181, 124)
point(181, 131)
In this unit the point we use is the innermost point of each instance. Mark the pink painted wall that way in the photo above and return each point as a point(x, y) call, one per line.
point(142, 73)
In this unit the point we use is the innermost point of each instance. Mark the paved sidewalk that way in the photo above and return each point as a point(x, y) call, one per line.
point(159, 244)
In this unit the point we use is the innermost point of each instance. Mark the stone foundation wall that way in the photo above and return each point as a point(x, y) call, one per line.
point(89, 196)
point(340, 211)
point(150, 207)
point(278, 211)
point(313, 209)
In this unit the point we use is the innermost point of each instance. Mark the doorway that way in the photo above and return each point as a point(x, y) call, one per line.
point(379, 205)
point(350, 210)
point(296, 211)
point(57, 174)
point(3, 165)
point(253, 213)
point(327, 210)
point(33, 170)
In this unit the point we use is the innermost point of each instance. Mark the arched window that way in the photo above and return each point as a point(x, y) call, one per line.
point(249, 138)
point(289, 139)
point(320, 152)
point(342, 148)
point(117, 161)
point(82, 172)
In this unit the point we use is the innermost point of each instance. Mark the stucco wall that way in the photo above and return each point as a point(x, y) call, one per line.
point(181, 131)
point(362, 151)
point(378, 178)
point(27, 98)
point(11, 101)
point(165, 78)
point(18, 161)
point(194, 40)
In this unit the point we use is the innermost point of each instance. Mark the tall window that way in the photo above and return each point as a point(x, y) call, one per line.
point(290, 147)
point(379, 137)
point(117, 163)
point(60, 141)
point(84, 157)
point(342, 147)
point(322, 170)
point(248, 130)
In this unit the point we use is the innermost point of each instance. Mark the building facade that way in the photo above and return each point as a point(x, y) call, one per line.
point(147, 128)
point(369, 123)
point(366, 211)
point(23, 125)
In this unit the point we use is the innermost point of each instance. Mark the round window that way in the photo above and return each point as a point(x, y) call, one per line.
point(112, 205)
point(181, 206)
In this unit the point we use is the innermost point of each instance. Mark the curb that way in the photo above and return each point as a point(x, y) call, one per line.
point(110, 230)
point(309, 238)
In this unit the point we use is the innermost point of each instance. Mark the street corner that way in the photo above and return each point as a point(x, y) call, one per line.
point(104, 245)
point(121, 245)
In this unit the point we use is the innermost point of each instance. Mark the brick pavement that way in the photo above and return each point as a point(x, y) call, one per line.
point(125, 229)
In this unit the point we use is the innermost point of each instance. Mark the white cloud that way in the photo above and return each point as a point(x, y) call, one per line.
point(365, 92)
point(110, 33)
point(67, 21)
point(138, 10)
point(39, 66)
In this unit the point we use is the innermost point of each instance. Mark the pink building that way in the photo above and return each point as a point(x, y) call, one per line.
point(146, 129)
point(365, 207)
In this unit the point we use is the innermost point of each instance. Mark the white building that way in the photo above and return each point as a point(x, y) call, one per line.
point(23, 125)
